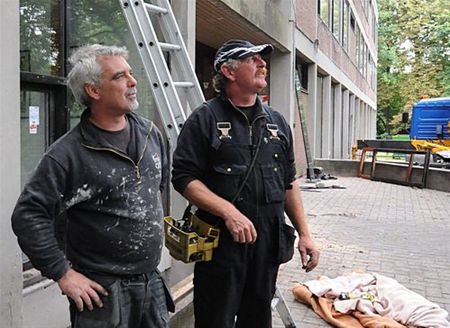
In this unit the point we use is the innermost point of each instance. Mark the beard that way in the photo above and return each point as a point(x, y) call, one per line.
point(134, 105)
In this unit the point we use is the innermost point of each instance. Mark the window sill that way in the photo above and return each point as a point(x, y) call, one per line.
point(31, 277)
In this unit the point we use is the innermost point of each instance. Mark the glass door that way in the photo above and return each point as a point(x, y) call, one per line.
point(34, 129)
point(43, 119)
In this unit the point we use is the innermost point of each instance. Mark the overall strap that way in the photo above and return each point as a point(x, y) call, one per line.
point(222, 123)
point(267, 110)
point(271, 125)
point(217, 110)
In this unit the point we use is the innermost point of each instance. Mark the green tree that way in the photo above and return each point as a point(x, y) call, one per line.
point(413, 57)
point(390, 74)
point(40, 27)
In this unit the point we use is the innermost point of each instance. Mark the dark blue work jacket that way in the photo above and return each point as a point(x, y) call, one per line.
point(217, 145)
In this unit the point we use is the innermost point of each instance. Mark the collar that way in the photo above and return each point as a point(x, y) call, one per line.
point(89, 133)
point(259, 105)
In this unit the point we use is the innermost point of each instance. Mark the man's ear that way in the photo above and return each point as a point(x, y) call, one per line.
point(228, 72)
point(92, 91)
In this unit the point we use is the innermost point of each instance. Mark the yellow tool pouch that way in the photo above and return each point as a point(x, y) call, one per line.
point(190, 239)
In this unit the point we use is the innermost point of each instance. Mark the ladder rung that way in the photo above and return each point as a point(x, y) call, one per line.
point(183, 84)
point(169, 46)
point(155, 9)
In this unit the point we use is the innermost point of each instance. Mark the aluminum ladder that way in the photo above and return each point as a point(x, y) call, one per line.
point(156, 35)
point(302, 116)
point(279, 304)
point(157, 38)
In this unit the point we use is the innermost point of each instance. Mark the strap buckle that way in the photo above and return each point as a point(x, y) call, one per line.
point(273, 129)
point(224, 129)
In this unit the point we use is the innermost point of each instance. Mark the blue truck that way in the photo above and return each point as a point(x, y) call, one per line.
point(430, 127)
point(430, 119)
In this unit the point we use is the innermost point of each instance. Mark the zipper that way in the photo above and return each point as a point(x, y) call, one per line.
point(250, 125)
point(137, 170)
point(250, 130)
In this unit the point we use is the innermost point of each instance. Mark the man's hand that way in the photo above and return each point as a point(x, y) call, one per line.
point(240, 227)
point(308, 253)
point(81, 290)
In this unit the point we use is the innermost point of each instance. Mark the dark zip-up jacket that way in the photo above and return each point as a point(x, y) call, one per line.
point(113, 203)
point(221, 161)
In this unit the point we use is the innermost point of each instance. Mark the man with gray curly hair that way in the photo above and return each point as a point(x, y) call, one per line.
point(106, 175)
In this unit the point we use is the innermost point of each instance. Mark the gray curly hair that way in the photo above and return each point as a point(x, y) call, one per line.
point(86, 70)
point(219, 81)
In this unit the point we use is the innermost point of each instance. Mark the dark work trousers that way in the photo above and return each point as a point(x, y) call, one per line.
point(133, 302)
point(235, 289)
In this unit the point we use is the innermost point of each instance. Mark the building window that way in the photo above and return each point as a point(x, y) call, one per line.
point(371, 67)
point(324, 14)
point(345, 25)
point(366, 55)
point(357, 46)
point(374, 27)
point(302, 69)
point(41, 37)
point(374, 76)
point(363, 55)
point(336, 18)
point(352, 20)
point(368, 9)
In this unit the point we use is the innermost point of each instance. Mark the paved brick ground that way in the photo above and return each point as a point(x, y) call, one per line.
point(398, 231)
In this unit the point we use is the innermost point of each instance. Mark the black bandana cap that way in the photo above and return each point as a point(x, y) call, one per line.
point(239, 49)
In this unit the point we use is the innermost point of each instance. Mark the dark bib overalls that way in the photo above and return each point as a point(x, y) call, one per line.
point(240, 280)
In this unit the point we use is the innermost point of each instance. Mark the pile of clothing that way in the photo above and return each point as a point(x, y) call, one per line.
point(369, 300)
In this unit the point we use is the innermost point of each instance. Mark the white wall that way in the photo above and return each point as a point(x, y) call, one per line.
point(10, 264)
point(45, 307)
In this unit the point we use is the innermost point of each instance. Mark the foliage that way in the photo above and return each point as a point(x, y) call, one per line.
point(413, 56)
point(97, 21)
point(39, 26)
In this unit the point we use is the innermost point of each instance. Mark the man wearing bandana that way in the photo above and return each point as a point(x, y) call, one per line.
point(235, 161)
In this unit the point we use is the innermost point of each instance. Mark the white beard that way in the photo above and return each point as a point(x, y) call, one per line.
point(134, 105)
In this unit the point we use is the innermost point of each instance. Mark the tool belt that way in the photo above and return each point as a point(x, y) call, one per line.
point(190, 239)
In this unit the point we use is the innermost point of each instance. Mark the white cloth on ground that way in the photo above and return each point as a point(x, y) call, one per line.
point(372, 293)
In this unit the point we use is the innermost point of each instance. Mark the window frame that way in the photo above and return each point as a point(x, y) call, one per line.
point(57, 121)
